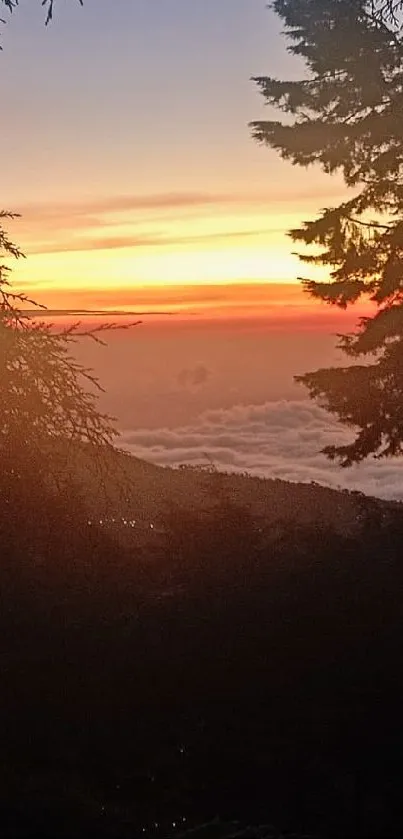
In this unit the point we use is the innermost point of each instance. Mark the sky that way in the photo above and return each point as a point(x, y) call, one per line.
point(126, 149)
point(129, 154)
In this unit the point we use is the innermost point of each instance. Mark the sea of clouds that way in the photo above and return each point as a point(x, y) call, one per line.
point(281, 439)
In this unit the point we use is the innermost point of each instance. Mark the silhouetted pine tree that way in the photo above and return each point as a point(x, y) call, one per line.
point(48, 404)
point(347, 116)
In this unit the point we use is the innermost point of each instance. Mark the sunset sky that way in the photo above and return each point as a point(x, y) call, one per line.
point(126, 148)
point(125, 132)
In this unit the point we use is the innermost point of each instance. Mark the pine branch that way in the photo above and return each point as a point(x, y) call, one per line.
point(346, 116)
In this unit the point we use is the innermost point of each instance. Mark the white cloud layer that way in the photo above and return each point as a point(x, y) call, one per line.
point(275, 440)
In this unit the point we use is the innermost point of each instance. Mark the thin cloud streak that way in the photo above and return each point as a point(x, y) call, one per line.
point(97, 313)
point(39, 222)
point(156, 221)
point(122, 203)
point(170, 200)
point(90, 243)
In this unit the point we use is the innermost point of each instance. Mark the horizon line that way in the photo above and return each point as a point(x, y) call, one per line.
point(44, 312)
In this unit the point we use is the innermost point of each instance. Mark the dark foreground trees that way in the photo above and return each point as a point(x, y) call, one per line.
point(347, 116)
point(48, 400)
point(133, 706)
point(48, 4)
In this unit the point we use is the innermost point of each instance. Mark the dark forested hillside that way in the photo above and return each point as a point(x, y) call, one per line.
point(227, 669)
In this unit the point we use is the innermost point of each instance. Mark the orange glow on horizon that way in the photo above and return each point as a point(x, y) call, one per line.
point(156, 241)
point(274, 306)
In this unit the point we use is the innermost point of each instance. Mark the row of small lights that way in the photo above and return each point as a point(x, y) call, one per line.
point(121, 521)
point(156, 825)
